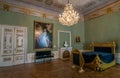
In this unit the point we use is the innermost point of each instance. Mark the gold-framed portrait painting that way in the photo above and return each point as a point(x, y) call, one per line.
point(43, 35)
point(77, 39)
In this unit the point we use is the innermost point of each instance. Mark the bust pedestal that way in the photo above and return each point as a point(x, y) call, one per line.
point(65, 53)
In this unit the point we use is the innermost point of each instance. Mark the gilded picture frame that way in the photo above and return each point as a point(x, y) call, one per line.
point(43, 35)
point(77, 39)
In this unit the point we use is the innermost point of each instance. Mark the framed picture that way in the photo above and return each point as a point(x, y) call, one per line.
point(77, 39)
point(43, 35)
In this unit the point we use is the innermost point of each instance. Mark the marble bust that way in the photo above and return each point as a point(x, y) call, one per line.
point(65, 44)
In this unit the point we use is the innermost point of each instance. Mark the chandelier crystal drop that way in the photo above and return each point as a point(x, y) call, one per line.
point(69, 17)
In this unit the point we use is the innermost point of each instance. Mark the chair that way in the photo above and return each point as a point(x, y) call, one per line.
point(77, 60)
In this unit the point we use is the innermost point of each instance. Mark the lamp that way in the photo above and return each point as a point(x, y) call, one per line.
point(69, 17)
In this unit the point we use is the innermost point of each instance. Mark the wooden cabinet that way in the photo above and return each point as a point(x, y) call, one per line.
point(13, 45)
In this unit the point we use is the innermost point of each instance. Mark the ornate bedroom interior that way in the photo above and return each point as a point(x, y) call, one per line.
point(24, 24)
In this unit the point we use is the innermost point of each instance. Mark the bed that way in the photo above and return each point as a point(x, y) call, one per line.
point(100, 58)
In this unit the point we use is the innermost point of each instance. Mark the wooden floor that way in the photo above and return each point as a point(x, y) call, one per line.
point(55, 69)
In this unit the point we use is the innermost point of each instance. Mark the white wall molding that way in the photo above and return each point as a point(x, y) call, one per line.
point(117, 57)
point(61, 31)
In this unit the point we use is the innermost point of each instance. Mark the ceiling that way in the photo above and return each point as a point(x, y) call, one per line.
point(82, 6)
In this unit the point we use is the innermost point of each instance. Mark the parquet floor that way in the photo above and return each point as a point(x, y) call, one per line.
point(55, 69)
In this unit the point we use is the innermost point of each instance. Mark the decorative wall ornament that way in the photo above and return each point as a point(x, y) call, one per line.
point(44, 15)
point(8, 38)
point(40, 0)
point(19, 41)
point(49, 2)
point(6, 7)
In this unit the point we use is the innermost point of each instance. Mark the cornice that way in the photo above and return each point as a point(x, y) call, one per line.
point(114, 7)
point(26, 10)
point(31, 11)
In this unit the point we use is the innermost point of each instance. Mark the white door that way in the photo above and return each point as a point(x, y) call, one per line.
point(7, 46)
point(19, 45)
point(13, 45)
point(7, 41)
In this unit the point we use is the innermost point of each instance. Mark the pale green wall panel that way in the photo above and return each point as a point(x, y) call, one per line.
point(64, 37)
point(104, 28)
point(12, 18)
point(58, 26)
point(78, 30)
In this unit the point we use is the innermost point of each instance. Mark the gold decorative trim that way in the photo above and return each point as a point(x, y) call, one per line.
point(114, 7)
point(29, 11)
point(44, 15)
point(97, 64)
point(49, 2)
point(26, 10)
point(6, 7)
point(81, 60)
point(112, 45)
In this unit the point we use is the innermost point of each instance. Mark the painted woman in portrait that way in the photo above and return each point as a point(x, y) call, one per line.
point(45, 39)
point(43, 36)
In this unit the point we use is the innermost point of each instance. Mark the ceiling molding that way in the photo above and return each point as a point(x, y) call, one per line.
point(57, 6)
point(27, 10)
point(96, 6)
point(31, 11)
point(52, 8)
point(113, 7)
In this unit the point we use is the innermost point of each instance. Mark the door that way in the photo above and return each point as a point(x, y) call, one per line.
point(13, 45)
point(6, 57)
point(19, 45)
point(7, 41)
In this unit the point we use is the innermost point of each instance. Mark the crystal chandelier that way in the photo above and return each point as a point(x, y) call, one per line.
point(69, 17)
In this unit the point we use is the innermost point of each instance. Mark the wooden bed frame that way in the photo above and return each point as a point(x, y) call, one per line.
point(111, 45)
point(96, 64)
